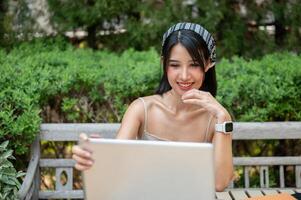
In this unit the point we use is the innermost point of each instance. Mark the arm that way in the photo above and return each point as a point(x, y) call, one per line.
point(132, 121)
point(129, 129)
point(222, 143)
point(223, 157)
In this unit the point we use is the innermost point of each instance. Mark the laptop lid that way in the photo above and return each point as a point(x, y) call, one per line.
point(149, 170)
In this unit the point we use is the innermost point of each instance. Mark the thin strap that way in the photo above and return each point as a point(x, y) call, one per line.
point(145, 113)
point(207, 130)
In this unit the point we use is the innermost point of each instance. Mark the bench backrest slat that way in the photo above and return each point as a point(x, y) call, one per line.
point(259, 161)
point(242, 130)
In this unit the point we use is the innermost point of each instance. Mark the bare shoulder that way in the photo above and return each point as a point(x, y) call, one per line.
point(137, 107)
point(152, 99)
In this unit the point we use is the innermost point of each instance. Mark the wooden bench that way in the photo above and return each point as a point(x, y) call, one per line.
point(242, 131)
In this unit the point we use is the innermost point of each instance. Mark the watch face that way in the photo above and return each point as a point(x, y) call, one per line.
point(229, 127)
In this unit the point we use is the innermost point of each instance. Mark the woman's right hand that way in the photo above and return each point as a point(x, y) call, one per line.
point(83, 157)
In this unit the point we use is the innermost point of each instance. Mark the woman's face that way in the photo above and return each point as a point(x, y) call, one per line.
point(183, 72)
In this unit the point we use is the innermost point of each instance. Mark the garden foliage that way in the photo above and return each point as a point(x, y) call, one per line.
point(44, 82)
point(9, 183)
point(249, 29)
point(240, 27)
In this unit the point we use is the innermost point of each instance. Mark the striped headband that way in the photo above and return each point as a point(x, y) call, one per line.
point(197, 29)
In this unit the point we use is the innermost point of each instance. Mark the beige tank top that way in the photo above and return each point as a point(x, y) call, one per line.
point(148, 136)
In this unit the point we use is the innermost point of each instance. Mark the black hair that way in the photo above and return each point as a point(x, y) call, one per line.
point(198, 50)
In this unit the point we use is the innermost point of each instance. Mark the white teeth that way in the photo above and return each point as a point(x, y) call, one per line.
point(185, 84)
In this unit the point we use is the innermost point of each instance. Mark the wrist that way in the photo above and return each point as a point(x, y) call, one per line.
point(225, 127)
point(223, 117)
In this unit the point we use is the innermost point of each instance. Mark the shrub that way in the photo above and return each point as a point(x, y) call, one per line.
point(9, 183)
point(52, 82)
point(262, 90)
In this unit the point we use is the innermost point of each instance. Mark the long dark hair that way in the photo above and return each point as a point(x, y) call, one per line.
point(198, 50)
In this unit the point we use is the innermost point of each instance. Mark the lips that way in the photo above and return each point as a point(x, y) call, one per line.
point(185, 85)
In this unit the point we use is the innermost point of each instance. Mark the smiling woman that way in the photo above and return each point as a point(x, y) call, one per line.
point(183, 72)
point(184, 107)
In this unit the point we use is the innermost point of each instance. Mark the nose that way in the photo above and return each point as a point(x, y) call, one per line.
point(184, 73)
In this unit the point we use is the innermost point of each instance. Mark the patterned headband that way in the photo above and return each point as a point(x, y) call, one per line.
point(197, 29)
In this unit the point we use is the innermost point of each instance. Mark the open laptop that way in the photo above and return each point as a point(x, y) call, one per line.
point(149, 170)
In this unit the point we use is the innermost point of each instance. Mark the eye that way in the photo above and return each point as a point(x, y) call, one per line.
point(195, 65)
point(174, 65)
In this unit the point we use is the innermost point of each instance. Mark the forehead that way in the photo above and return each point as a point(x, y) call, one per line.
point(179, 52)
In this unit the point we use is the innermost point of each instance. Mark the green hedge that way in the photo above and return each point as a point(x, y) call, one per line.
point(262, 90)
point(50, 81)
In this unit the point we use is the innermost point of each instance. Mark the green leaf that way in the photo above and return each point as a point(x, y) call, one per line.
point(3, 145)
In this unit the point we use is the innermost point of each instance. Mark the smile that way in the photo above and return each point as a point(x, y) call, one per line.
point(185, 85)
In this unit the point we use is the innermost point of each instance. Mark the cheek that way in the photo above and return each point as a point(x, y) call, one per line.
point(199, 76)
point(170, 73)
point(198, 73)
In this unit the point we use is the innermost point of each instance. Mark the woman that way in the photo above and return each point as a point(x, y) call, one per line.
point(184, 107)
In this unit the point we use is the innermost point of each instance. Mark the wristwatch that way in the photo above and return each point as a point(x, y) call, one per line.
point(226, 127)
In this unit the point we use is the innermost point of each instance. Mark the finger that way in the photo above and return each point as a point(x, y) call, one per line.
point(197, 94)
point(191, 91)
point(81, 152)
point(195, 102)
point(81, 167)
point(192, 95)
point(83, 137)
point(82, 161)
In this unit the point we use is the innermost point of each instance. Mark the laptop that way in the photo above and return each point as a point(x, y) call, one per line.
point(149, 170)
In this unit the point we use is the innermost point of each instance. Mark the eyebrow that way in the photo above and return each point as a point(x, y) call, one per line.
point(171, 60)
point(193, 61)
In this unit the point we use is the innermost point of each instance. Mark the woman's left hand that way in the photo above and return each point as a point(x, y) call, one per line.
point(207, 101)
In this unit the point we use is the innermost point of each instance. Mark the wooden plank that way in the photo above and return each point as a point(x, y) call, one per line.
point(37, 173)
point(242, 130)
point(286, 191)
point(238, 161)
point(57, 163)
point(70, 132)
point(31, 170)
point(69, 177)
point(223, 196)
point(281, 176)
point(266, 130)
point(246, 176)
point(298, 176)
point(231, 184)
point(297, 190)
point(36, 183)
point(239, 194)
point(254, 192)
point(264, 177)
point(73, 194)
point(29, 195)
point(269, 191)
point(284, 160)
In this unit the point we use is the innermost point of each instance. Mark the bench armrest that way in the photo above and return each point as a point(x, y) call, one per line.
point(27, 187)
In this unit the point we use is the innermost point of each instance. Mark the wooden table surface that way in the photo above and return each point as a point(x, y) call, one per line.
point(242, 194)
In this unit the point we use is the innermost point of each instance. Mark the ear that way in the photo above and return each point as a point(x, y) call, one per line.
point(209, 65)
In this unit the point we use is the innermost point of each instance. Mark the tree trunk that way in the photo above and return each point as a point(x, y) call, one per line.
point(92, 36)
point(280, 31)
point(2, 28)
